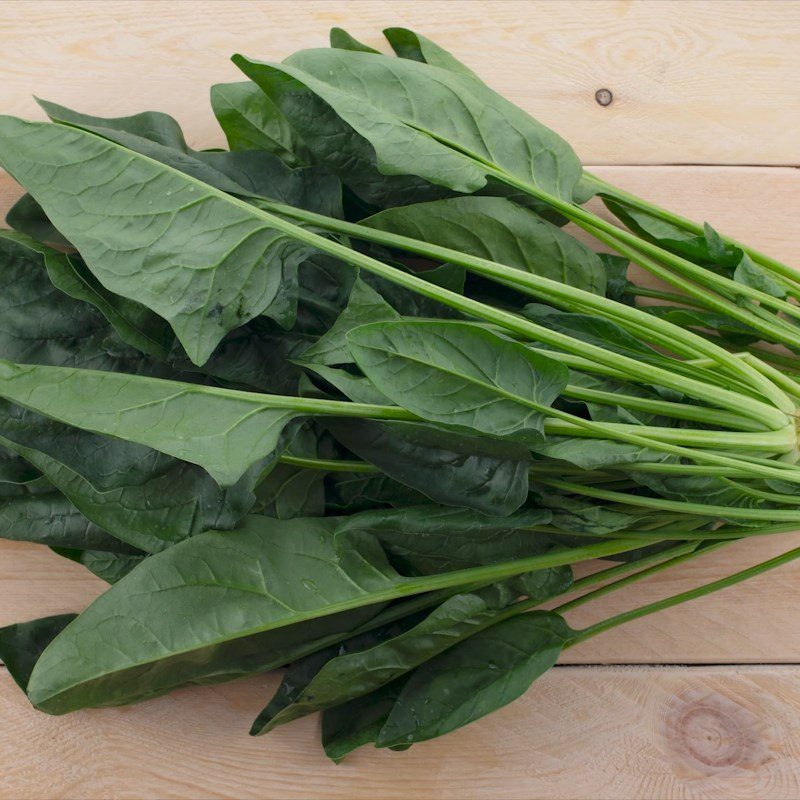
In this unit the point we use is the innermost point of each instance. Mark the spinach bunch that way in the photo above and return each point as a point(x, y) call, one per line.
point(348, 398)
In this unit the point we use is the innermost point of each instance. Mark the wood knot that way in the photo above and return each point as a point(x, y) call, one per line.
point(604, 97)
point(710, 732)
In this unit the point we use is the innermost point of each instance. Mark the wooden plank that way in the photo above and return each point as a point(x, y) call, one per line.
point(764, 628)
point(711, 82)
point(615, 733)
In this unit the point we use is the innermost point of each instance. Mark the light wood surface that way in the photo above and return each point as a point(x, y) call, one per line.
point(581, 732)
point(726, 71)
point(694, 83)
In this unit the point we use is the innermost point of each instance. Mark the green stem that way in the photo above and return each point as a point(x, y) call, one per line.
point(659, 468)
point(328, 465)
point(643, 372)
point(628, 566)
point(605, 188)
point(783, 441)
point(683, 597)
point(768, 325)
point(771, 497)
point(675, 555)
point(690, 268)
point(676, 410)
point(668, 297)
point(722, 512)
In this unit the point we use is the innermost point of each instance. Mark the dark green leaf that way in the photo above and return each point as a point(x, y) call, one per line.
point(377, 114)
point(365, 305)
point(252, 596)
point(358, 491)
point(360, 670)
point(133, 492)
point(224, 431)
point(233, 270)
point(728, 327)
point(110, 567)
point(342, 40)
point(22, 644)
point(598, 454)
point(432, 539)
point(351, 725)
point(488, 476)
point(477, 676)
point(51, 519)
point(415, 46)
point(28, 217)
point(592, 330)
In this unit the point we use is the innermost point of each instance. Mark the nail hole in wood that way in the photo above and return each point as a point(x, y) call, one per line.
point(604, 97)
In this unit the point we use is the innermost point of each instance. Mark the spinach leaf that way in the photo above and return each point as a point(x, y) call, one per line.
point(398, 117)
point(251, 121)
point(582, 515)
point(21, 644)
point(251, 173)
point(415, 46)
point(133, 323)
point(487, 476)
point(498, 230)
point(223, 430)
point(357, 491)
point(342, 40)
point(232, 272)
point(599, 453)
point(49, 518)
point(708, 249)
point(324, 288)
point(108, 566)
point(364, 669)
point(365, 305)
point(351, 725)
point(28, 217)
point(593, 330)
point(259, 355)
point(133, 492)
point(287, 491)
point(477, 676)
point(729, 328)
point(253, 595)
point(430, 539)
point(460, 375)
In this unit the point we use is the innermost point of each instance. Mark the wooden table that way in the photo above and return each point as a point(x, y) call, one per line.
point(700, 701)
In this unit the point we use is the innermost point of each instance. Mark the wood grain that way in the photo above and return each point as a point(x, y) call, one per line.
point(707, 83)
point(580, 732)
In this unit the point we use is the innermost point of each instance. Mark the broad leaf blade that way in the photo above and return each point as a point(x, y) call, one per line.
point(417, 119)
point(481, 674)
point(460, 375)
point(205, 262)
point(222, 430)
point(488, 476)
point(498, 230)
point(251, 121)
